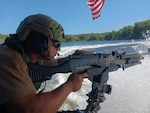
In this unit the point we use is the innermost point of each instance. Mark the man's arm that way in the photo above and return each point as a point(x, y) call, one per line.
point(48, 102)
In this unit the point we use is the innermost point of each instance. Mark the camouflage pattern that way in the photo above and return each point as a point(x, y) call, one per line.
point(43, 24)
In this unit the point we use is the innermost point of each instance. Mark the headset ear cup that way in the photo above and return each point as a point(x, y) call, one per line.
point(39, 45)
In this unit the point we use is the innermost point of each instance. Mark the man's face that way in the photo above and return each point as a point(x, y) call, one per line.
point(54, 48)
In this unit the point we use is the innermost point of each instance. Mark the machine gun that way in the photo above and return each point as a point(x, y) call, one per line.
point(97, 66)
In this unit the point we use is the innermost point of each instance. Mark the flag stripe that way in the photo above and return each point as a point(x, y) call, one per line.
point(95, 6)
point(97, 9)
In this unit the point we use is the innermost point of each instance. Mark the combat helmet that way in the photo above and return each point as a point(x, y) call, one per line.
point(40, 23)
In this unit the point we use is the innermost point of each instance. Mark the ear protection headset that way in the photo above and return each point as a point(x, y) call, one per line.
point(39, 45)
point(37, 42)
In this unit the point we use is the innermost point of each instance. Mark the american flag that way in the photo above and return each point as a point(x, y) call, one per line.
point(95, 6)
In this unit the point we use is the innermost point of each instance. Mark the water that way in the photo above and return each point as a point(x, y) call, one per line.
point(106, 46)
point(130, 88)
point(130, 92)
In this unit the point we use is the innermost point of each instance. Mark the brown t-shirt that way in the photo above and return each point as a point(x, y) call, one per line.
point(14, 79)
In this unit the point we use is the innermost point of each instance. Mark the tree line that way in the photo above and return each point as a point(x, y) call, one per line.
point(126, 33)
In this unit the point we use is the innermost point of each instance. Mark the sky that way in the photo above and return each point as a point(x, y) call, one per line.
point(74, 15)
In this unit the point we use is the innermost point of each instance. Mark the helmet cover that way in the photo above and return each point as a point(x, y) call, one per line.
point(40, 23)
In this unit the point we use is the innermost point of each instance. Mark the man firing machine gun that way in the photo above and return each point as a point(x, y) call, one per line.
point(97, 66)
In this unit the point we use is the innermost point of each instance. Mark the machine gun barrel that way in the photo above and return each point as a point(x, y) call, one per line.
point(93, 64)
